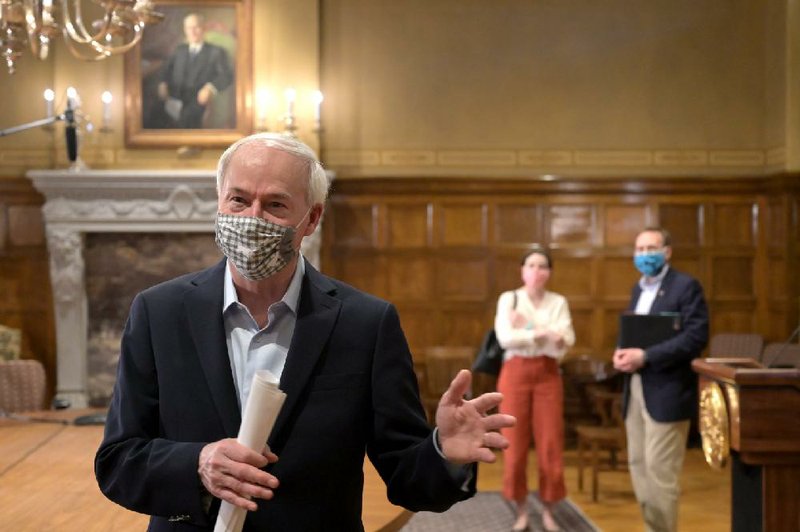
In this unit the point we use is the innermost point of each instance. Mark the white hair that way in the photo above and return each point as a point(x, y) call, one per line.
point(317, 186)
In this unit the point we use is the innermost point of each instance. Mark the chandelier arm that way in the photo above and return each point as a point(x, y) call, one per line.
point(33, 24)
point(107, 50)
point(81, 54)
point(77, 30)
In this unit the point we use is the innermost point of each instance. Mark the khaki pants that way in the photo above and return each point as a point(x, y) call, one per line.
point(655, 459)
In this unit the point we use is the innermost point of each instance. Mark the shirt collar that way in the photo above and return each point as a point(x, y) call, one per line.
point(653, 282)
point(291, 298)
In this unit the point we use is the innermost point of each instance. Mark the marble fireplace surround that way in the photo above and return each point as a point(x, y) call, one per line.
point(113, 201)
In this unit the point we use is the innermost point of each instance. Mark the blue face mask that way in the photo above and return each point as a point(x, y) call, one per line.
point(650, 263)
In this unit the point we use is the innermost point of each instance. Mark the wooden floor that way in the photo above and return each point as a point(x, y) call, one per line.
point(704, 504)
point(47, 483)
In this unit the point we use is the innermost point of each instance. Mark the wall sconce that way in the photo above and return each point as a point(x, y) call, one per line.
point(106, 98)
point(263, 100)
point(289, 126)
point(317, 97)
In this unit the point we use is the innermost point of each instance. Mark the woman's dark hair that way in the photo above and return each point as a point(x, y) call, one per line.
point(541, 250)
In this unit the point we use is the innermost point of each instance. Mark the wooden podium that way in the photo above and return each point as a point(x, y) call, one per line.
point(750, 417)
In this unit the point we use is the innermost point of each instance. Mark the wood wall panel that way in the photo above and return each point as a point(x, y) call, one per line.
point(463, 225)
point(732, 277)
point(691, 265)
point(447, 286)
point(572, 277)
point(617, 276)
point(734, 225)
point(571, 224)
point(464, 279)
point(623, 223)
point(517, 223)
point(724, 318)
point(356, 226)
point(461, 324)
point(506, 269)
point(582, 321)
point(685, 223)
point(408, 226)
point(26, 300)
point(410, 279)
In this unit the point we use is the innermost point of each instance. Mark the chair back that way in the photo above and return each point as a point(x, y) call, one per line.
point(744, 345)
point(781, 354)
point(22, 385)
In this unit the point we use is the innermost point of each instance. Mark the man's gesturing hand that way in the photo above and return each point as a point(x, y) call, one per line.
point(466, 433)
point(231, 472)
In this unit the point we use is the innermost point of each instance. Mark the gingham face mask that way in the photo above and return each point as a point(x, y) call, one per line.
point(256, 247)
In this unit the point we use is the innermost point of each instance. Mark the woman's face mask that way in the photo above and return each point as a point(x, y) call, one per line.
point(650, 262)
point(256, 247)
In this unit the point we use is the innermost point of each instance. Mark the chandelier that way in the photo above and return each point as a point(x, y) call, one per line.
point(117, 27)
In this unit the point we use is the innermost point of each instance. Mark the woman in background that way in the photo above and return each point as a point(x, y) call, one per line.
point(534, 326)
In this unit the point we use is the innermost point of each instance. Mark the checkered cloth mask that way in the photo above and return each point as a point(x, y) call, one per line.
point(258, 248)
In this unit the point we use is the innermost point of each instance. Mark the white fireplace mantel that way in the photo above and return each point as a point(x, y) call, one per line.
point(113, 201)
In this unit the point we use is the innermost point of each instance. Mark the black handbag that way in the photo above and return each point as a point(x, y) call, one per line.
point(490, 355)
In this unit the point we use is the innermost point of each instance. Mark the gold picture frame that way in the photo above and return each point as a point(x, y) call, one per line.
point(159, 108)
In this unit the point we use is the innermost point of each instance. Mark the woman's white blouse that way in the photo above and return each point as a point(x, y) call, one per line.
point(552, 314)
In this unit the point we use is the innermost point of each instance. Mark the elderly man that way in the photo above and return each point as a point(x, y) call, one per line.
point(195, 73)
point(191, 346)
point(660, 394)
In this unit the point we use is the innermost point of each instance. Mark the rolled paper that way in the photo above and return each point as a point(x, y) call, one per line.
point(263, 406)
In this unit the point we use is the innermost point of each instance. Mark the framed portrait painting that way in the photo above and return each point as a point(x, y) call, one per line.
point(187, 83)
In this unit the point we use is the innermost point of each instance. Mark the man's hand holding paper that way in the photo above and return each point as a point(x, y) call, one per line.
point(232, 472)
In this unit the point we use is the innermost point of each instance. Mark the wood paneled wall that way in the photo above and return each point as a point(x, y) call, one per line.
point(442, 250)
point(26, 300)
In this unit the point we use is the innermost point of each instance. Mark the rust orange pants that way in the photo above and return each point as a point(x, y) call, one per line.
point(533, 393)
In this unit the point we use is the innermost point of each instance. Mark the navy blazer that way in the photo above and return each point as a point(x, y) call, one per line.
point(668, 381)
point(350, 388)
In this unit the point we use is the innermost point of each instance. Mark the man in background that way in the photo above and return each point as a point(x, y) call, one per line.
point(194, 74)
point(660, 393)
point(190, 349)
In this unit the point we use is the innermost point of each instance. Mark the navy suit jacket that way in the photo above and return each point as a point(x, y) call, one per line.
point(668, 381)
point(350, 388)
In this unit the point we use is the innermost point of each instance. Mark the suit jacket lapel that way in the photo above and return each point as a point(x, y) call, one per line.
point(204, 308)
point(316, 316)
point(658, 302)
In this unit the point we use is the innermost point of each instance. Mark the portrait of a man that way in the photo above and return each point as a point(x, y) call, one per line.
point(188, 72)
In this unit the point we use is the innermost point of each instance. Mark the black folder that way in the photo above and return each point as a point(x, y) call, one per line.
point(645, 330)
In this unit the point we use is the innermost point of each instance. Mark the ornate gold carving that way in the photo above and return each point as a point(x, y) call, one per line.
point(714, 429)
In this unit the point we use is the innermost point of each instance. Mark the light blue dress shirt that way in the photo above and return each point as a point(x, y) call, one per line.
point(251, 348)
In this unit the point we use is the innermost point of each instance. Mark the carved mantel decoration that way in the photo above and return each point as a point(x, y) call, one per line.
point(113, 201)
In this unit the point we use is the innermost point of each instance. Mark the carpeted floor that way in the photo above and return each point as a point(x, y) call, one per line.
point(488, 511)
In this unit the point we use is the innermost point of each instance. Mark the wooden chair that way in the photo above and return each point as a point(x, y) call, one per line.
point(745, 345)
point(609, 437)
point(22, 385)
point(580, 375)
point(442, 363)
point(781, 355)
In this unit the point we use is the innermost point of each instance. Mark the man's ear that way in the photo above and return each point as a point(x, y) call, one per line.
point(314, 217)
point(667, 252)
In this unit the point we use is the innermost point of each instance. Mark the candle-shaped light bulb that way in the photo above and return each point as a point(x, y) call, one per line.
point(317, 106)
point(290, 94)
point(72, 98)
point(262, 100)
point(49, 97)
point(106, 98)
